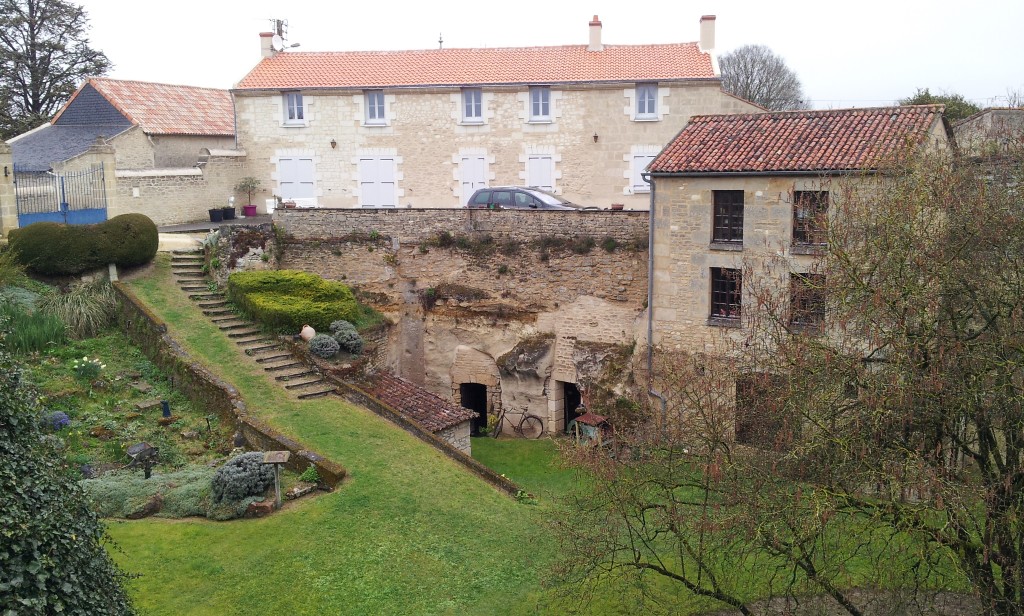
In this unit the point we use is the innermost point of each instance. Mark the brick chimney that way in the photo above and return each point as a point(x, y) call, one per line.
point(266, 49)
point(595, 35)
point(707, 33)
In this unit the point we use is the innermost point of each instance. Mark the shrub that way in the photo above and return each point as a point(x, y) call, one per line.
point(11, 270)
point(582, 245)
point(348, 338)
point(54, 249)
point(310, 475)
point(58, 420)
point(31, 332)
point(241, 477)
point(86, 309)
point(286, 300)
point(609, 244)
point(185, 492)
point(324, 346)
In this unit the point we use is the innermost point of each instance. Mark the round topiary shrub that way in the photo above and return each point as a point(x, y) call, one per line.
point(54, 249)
point(241, 477)
point(348, 338)
point(324, 346)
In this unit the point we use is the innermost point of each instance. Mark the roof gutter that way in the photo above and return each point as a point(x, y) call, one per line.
point(724, 174)
point(650, 304)
point(499, 84)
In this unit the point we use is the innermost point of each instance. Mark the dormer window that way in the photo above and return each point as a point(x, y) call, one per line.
point(294, 111)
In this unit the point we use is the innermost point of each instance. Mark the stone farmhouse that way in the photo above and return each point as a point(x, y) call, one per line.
point(425, 128)
point(745, 189)
point(748, 195)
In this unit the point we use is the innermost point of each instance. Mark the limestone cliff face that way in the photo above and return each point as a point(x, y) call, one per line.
point(515, 318)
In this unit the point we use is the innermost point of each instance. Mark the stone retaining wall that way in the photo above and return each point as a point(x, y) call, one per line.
point(416, 225)
point(202, 387)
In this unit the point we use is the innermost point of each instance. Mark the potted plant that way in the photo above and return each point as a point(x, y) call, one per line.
point(229, 211)
point(248, 185)
point(216, 214)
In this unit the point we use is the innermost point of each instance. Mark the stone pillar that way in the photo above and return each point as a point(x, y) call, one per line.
point(8, 205)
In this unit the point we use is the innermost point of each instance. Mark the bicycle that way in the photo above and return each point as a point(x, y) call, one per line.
point(529, 426)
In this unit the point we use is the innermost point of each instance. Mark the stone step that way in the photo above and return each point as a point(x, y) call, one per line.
point(226, 316)
point(242, 333)
point(214, 304)
point(295, 374)
point(192, 258)
point(314, 380)
point(266, 359)
point(287, 365)
point(208, 295)
point(219, 311)
point(317, 393)
point(257, 348)
point(187, 267)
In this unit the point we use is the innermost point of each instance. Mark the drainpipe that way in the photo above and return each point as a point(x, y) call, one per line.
point(650, 305)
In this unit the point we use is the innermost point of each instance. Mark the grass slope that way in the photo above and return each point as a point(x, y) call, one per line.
point(409, 533)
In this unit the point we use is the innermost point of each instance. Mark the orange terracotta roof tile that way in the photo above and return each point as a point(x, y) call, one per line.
point(796, 141)
point(163, 109)
point(462, 67)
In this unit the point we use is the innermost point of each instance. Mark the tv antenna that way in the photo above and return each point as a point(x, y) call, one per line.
point(279, 42)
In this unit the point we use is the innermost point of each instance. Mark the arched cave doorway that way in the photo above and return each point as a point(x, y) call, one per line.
point(571, 398)
point(474, 398)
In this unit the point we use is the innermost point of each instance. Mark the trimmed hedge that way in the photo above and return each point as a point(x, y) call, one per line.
point(55, 249)
point(287, 299)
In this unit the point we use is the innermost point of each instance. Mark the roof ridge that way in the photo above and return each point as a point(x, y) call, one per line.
point(152, 83)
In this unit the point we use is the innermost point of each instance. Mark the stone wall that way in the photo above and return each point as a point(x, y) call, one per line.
point(171, 196)
point(172, 151)
point(416, 225)
point(684, 253)
point(591, 138)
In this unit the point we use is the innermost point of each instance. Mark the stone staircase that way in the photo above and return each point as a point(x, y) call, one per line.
point(291, 372)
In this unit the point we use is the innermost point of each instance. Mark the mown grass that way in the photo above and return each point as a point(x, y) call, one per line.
point(409, 532)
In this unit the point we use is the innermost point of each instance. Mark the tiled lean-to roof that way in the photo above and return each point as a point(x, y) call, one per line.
point(432, 412)
point(460, 67)
point(164, 109)
point(796, 141)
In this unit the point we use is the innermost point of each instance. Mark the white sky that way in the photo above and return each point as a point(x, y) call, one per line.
point(854, 53)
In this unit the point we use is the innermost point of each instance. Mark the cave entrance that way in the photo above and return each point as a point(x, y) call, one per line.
point(474, 398)
point(571, 399)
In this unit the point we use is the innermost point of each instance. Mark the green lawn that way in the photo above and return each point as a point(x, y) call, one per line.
point(410, 532)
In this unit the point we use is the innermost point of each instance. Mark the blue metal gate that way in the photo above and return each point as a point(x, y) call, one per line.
point(74, 198)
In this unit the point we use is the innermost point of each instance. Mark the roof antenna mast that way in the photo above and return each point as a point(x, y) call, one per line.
point(440, 41)
point(280, 29)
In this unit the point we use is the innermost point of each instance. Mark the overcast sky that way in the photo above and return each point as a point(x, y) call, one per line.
point(860, 54)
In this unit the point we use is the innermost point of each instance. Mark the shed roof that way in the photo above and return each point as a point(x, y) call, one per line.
point(432, 412)
point(796, 141)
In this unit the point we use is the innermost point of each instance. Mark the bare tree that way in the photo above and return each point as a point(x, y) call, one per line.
point(44, 54)
point(866, 430)
point(755, 73)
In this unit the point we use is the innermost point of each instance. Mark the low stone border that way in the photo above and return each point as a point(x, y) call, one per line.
point(201, 386)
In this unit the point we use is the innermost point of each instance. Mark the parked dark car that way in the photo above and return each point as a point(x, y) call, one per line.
point(518, 198)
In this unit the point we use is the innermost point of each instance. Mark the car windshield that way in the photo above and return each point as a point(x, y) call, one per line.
point(547, 198)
